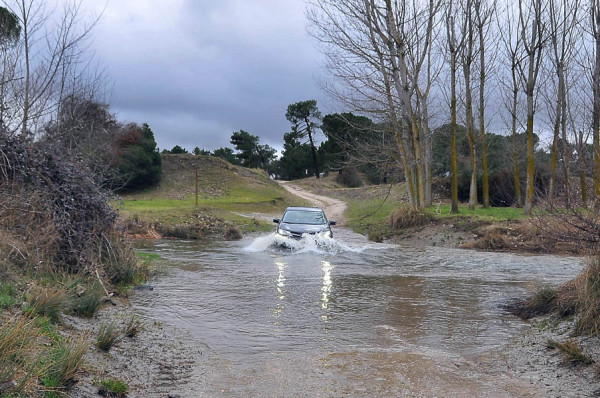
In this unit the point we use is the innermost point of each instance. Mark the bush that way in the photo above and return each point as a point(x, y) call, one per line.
point(132, 327)
point(588, 299)
point(571, 352)
point(541, 303)
point(18, 337)
point(54, 202)
point(89, 301)
point(233, 233)
point(349, 177)
point(121, 265)
point(65, 360)
point(407, 217)
point(48, 302)
point(108, 335)
point(7, 296)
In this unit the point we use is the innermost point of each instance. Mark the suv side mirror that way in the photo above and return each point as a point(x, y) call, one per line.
point(276, 220)
point(332, 222)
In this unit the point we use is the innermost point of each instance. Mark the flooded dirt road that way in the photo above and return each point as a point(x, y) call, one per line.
point(345, 317)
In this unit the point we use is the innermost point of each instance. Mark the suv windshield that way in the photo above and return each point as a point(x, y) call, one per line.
point(304, 217)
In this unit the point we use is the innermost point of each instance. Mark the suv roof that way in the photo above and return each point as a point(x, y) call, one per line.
point(304, 208)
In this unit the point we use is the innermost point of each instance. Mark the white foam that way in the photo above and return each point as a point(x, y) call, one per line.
point(308, 244)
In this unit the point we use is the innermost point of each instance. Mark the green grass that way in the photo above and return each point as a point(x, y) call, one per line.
point(225, 192)
point(490, 214)
point(148, 257)
point(8, 296)
point(371, 217)
point(112, 388)
point(239, 199)
point(64, 361)
point(108, 335)
point(177, 212)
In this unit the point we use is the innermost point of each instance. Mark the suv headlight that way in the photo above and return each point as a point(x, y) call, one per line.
point(283, 232)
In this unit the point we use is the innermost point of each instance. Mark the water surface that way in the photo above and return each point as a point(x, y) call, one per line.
point(343, 316)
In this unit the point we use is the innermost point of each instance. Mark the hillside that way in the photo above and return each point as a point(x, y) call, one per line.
point(231, 200)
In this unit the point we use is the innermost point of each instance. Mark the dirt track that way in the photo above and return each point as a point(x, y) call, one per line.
point(334, 208)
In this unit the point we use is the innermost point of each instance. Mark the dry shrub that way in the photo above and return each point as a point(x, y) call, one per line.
point(587, 286)
point(52, 204)
point(492, 239)
point(18, 370)
point(577, 229)
point(233, 233)
point(571, 351)
point(65, 360)
point(579, 297)
point(523, 236)
point(349, 177)
point(45, 301)
point(541, 303)
point(29, 237)
point(121, 266)
point(407, 217)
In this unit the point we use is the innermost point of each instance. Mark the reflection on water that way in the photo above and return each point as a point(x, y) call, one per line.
point(249, 300)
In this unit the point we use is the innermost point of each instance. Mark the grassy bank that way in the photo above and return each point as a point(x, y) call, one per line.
point(40, 353)
point(231, 200)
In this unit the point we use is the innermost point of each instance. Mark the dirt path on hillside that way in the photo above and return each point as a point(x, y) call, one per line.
point(334, 208)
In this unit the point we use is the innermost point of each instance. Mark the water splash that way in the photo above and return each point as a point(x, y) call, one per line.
point(308, 244)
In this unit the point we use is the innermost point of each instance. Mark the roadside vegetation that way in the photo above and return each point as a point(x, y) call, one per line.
point(232, 200)
point(60, 254)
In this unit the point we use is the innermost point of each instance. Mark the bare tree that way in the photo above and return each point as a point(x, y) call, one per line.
point(467, 58)
point(595, 30)
point(453, 48)
point(484, 11)
point(377, 50)
point(533, 31)
point(45, 51)
point(511, 40)
point(563, 19)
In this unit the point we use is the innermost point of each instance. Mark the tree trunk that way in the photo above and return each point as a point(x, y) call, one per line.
point(452, 47)
point(534, 54)
point(596, 103)
point(482, 76)
point(516, 171)
point(554, 154)
point(312, 148)
point(467, 61)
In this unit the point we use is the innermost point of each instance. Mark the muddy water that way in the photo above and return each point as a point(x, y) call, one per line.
point(344, 316)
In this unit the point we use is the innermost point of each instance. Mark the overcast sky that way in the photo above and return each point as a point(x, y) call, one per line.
point(198, 70)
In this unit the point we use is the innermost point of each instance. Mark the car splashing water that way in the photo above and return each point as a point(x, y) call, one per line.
point(342, 316)
point(308, 244)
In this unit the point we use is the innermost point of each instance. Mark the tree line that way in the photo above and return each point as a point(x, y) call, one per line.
point(518, 67)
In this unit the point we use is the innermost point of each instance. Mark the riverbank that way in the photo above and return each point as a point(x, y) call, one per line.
point(522, 367)
point(158, 361)
point(154, 362)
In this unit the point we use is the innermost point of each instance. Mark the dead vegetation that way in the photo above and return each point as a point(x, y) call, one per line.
point(58, 239)
point(407, 217)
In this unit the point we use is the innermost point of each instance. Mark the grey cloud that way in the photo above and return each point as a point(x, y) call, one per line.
point(209, 69)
